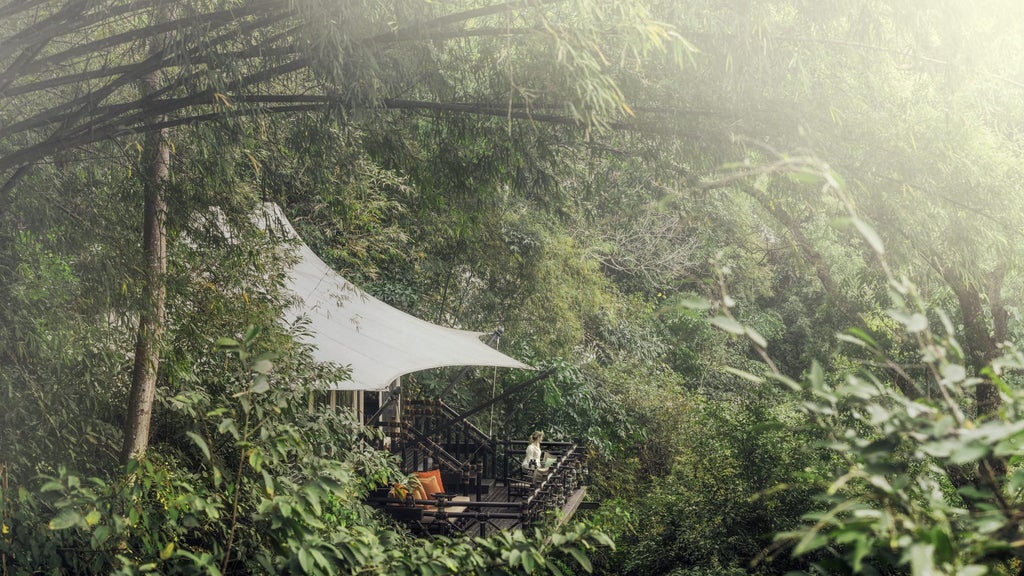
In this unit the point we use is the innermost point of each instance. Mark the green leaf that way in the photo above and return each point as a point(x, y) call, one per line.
point(693, 302)
point(944, 551)
point(93, 517)
point(744, 374)
point(817, 374)
point(581, 558)
point(256, 459)
point(305, 560)
point(861, 549)
point(67, 518)
point(262, 366)
point(913, 323)
point(100, 536)
point(260, 384)
point(321, 559)
point(922, 562)
point(952, 373)
point(968, 453)
point(755, 336)
point(226, 344)
point(200, 443)
point(228, 425)
point(804, 176)
point(858, 337)
point(809, 543)
point(52, 486)
point(528, 562)
point(168, 550)
point(785, 381)
point(728, 324)
point(268, 483)
point(604, 539)
point(917, 323)
point(870, 235)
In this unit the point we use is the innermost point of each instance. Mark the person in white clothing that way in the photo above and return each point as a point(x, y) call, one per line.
point(534, 460)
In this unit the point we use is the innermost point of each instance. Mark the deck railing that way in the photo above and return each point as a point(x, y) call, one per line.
point(476, 466)
point(485, 513)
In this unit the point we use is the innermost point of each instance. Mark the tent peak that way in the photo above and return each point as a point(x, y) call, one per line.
point(377, 341)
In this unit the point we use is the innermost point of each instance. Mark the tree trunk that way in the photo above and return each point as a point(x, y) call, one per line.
point(807, 250)
point(979, 343)
point(156, 169)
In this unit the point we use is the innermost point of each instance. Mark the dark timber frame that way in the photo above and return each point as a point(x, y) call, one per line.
point(486, 488)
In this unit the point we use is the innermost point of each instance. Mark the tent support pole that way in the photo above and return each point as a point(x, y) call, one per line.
point(392, 398)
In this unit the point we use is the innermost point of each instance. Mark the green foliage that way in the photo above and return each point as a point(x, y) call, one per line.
point(591, 248)
point(742, 474)
point(244, 487)
point(925, 487)
point(345, 205)
point(50, 341)
point(255, 484)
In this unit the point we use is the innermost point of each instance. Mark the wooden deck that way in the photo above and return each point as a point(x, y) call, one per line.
point(493, 512)
point(572, 505)
point(497, 493)
point(464, 458)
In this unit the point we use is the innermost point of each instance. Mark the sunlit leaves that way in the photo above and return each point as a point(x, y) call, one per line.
point(904, 455)
point(870, 236)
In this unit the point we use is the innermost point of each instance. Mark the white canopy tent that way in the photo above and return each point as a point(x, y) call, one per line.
point(349, 327)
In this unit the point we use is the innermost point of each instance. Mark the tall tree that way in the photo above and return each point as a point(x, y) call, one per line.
point(156, 158)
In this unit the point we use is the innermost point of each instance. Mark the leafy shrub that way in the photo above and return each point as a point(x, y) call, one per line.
point(741, 476)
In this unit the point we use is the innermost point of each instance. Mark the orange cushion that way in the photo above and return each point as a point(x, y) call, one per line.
point(418, 493)
point(429, 487)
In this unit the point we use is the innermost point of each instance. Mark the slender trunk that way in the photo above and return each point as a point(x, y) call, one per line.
point(1000, 316)
point(980, 345)
point(156, 158)
point(806, 249)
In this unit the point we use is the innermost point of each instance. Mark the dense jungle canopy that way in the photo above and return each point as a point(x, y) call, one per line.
point(771, 247)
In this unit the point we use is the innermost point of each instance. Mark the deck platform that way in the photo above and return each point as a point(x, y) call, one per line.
point(498, 493)
point(494, 511)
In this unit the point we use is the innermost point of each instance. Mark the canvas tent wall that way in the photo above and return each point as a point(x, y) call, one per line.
point(349, 327)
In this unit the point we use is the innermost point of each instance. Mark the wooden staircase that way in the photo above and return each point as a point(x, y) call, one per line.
point(434, 435)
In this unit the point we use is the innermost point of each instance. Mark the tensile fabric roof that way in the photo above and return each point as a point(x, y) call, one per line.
point(349, 327)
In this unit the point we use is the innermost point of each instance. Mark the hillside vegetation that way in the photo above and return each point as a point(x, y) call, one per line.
point(772, 247)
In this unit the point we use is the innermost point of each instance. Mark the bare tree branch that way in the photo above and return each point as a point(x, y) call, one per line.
point(15, 8)
point(218, 19)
